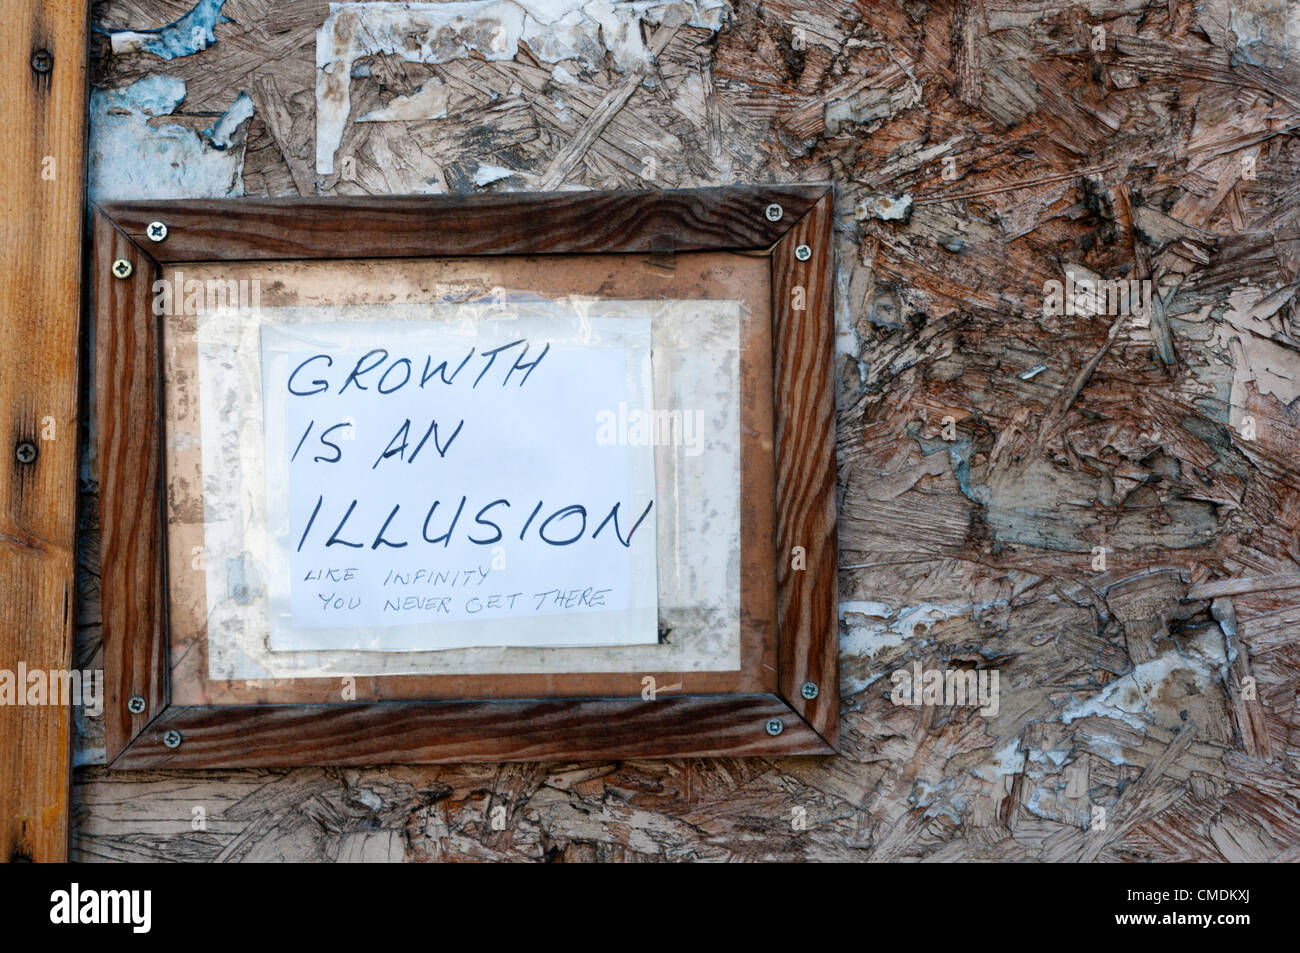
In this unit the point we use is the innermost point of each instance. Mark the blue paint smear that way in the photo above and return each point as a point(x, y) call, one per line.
point(191, 33)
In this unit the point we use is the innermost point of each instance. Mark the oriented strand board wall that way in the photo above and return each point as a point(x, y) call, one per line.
point(979, 150)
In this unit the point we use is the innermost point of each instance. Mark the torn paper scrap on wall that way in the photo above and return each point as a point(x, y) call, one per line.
point(430, 33)
point(191, 33)
point(131, 159)
point(225, 132)
point(427, 102)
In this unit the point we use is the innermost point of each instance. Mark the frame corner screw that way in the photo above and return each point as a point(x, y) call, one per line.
point(774, 726)
point(42, 61)
point(172, 738)
point(803, 253)
point(26, 452)
point(808, 690)
point(122, 268)
point(156, 231)
point(774, 212)
point(135, 704)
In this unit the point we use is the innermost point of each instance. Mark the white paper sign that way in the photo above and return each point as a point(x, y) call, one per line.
point(441, 484)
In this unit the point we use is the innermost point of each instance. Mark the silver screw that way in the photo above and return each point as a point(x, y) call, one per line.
point(135, 704)
point(774, 212)
point(808, 690)
point(803, 253)
point(122, 268)
point(775, 726)
point(25, 452)
point(157, 231)
point(172, 738)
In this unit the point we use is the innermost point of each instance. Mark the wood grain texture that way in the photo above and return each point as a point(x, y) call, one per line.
point(42, 120)
point(444, 226)
point(804, 394)
point(129, 453)
point(133, 521)
point(435, 732)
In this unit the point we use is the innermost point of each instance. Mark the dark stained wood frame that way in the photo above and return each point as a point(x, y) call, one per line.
point(133, 490)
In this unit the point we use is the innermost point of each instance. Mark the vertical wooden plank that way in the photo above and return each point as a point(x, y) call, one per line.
point(804, 393)
point(128, 400)
point(42, 156)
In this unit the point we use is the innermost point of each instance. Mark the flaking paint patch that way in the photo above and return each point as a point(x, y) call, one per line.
point(1006, 761)
point(224, 133)
point(869, 638)
point(131, 159)
point(487, 174)
point(432, 33)
point(1265, 31)
point(1253, 330)
point(887, 208)
point(190, 34)
point(427, 102)
point(1140, 698)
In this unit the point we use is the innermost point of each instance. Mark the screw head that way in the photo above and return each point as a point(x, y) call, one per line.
point(774, 726)
point(156, 231)
point(135, 704)
point(172, 738)
point(42, 61)
point(122, 268)
point(808, 690)
point(803, 253)
point(25, 452)
point(774, 212)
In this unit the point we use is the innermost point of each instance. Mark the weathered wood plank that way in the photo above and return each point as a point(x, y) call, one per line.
point(440, 732)
point(489, 224)
point(128, 379)
point(806, 559)
point(42, 122)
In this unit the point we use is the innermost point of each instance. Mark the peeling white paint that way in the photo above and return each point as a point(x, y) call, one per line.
point(427, 102)
point(1253, 329)
point(562, 75)
point(224, 133)
point(887, 208)
point(939, 800)
point(869, 638)
point(554, 30)
point(1007, 761)
point(1104, 746)
point(1132, 699)
point(487, 174)
point(131, 159)
point(881, 609)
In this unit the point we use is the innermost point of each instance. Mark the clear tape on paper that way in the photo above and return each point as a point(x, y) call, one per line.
point(521, 484)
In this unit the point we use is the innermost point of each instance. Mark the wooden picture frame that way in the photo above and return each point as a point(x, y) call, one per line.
point(788, 224)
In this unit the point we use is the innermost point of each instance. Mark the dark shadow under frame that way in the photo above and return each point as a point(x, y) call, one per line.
point(133, 493)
